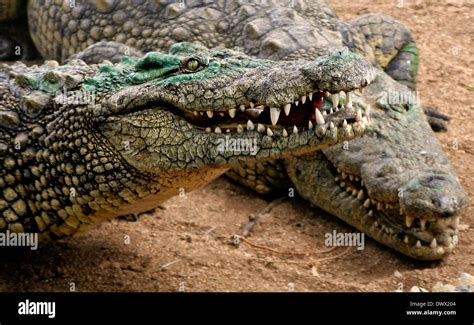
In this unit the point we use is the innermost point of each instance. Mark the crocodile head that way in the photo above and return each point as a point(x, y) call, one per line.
point(98, 141)
point(394, 183)
point(178, 108)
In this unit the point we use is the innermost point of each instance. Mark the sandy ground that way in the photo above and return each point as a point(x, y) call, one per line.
point(185, 245)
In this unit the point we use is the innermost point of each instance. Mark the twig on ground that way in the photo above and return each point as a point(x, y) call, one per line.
point(165, 266)
point(292, 253)
point(255, 217)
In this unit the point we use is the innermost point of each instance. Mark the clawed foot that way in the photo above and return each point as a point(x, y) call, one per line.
point(437, 120)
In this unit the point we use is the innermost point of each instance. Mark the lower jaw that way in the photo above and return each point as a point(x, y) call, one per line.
point(355, 214)
point(371, 221)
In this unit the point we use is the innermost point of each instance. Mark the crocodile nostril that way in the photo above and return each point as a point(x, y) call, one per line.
point(445, 205)
point(432, 180)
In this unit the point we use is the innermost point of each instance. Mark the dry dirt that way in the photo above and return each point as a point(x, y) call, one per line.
point(185, 245)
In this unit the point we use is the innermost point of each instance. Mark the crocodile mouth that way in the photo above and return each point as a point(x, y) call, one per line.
point(388, 223)
point(291, 118)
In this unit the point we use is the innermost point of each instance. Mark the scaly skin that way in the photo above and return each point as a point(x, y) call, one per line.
point(307, 30)
point(376, 185)
point(67, 164)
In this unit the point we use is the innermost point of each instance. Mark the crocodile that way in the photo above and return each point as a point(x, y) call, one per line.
point(82, 143)
point(395, 184)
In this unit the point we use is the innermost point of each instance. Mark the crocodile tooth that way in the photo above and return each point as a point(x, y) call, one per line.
point(319, 117)
point(358, 115)
point(331, 111)
point(422, 224)
point(371, 213)
point(362, 183)
point(360, 196)
point(296, 103)
point(336, 109)
point(284, 133)
point(310, 96)
point(351, 177)
point(379, 206)
point(348, 190)
point(221, 114)
point(357, 179)
point(209, 114)
point(354, 192)
point(367, 203)
point(250, 125)
point(252, 105)
point(405, 240)
point(409, 221)
point(240, 128)
point(217, 130)
point(195, 113)
point(362, 90)
point(260, 128)
point(325, 113)
point(269, 132)
point(331, 125)
point(349, 100)
point(336, 179)
point(254, 112)
point(342, 184)
point(242, 108)
point(335, 100)
point(208, 130)
point(344, 175)
point(295, 129)
point(303, 99)
point(339, 170)
point(310, 125)
point(434, 243)
point(201, 113)
point(287, 109)
point(401, 211)
point(227, 131)
point(274, 115)
point(232, 112)
point(418, 244)
point(344, 124)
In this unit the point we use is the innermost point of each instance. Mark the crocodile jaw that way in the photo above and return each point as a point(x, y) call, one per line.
point(394, 183)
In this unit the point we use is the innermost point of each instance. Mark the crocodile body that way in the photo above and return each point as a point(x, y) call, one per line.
point(395, 183)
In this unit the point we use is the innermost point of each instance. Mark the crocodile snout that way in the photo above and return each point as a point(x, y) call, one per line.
point(433, 196)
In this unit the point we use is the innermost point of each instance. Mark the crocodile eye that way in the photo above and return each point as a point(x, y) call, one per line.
point(192, 65)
